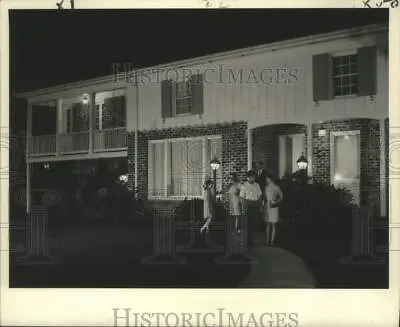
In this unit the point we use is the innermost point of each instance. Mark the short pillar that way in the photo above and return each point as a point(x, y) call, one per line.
point(37, 249)
point(164, 242)
point(236, 249)
point(363, 248)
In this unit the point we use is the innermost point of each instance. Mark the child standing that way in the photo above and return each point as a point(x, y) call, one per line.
point(209, 198)
point(234, 201)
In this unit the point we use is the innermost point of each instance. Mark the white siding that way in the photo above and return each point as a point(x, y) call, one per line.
point(263, 104)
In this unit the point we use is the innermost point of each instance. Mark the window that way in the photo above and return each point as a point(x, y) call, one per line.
point(183, 97)
point(179, 167)
point(290, 149)
point(110, 109)
point(346, 157)
point(345, 75)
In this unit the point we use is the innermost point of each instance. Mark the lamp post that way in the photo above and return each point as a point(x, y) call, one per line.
point(302, 164)
point(215, 163)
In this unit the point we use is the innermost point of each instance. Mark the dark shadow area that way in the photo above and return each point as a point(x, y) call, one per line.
point(111, 256)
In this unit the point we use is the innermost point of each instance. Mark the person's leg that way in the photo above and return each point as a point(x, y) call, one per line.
point(273, 227)
point(254, 221)
point(248, 224)
point(267, 233)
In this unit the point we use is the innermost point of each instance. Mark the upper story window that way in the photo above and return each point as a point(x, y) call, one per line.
point(110, 109)
point(345, 76)
point(183, 97)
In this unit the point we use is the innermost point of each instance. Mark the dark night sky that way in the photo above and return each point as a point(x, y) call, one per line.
point(54, 47)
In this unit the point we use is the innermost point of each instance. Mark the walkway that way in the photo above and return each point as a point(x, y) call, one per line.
point(277, 268)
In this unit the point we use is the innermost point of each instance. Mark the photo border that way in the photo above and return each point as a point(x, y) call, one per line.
point(94, 307)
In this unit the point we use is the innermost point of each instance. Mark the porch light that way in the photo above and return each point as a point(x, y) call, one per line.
point(302, 162)
point(46, 166)
point(215, 163)
point(123, 178)
point(85, 99)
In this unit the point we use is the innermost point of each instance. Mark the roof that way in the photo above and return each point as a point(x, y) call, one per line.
point(296, 42)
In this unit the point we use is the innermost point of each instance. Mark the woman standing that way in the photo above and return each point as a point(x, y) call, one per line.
point(234, 201)
point(272, 197)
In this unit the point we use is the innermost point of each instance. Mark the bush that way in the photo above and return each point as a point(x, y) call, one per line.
point(315, 207)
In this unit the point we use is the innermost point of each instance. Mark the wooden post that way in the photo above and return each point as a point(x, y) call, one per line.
point(28, 155)
point(59, 119)
point(91, 121)
point(249, 148)
point(309, 149)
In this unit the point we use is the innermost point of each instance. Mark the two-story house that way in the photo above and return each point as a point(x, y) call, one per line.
point(324, 96)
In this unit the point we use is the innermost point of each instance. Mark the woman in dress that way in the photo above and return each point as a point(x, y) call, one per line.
point(209, 199)
point(272, 197)
point(234, 201)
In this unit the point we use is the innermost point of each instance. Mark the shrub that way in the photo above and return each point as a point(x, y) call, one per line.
point(314, 206)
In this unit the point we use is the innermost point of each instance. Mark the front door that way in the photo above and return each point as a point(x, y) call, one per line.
point(345, 161)
point(291, 147)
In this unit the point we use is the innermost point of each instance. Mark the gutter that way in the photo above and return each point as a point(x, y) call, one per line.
point(270, 47)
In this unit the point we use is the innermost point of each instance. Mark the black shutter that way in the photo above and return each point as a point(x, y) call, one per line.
point(322, 77)
point(366, 69)
point(197, 94)
point(166, 98)
point(119, 110)
point(289, 154)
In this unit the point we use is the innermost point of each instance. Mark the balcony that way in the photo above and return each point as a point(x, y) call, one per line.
point(105, 140)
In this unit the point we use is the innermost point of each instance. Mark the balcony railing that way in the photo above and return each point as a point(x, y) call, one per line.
point(114, 139)
point(77, 142)
point(110, 139)
point(43, 145)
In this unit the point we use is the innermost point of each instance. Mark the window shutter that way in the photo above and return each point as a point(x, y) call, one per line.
point(197, 94)
point(118, 105)
point(366, 69)
point(289, 154)
point(166, 98)
point(322, 77)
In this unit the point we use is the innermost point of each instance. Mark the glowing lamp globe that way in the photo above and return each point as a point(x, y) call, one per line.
point(302, 162)
point(215, 164)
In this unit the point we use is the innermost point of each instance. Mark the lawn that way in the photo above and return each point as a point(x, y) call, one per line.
point(112, 255)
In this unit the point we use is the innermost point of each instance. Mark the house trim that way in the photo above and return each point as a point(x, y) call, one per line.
point(271, 47)
point(96, 155)
point(332, 158)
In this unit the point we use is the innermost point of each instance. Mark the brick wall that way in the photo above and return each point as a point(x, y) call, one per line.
point(265, 143)
point(369, 155)
point(387, 164)
point(234, 153)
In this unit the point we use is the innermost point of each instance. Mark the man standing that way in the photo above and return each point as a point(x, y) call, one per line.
point(261, 175)
point(250, 195)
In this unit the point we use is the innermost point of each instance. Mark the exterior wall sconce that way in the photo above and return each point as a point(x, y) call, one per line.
point(302, 162)
point(85, 99)
point(46, 166)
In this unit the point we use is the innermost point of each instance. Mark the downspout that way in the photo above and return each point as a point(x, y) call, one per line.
point(136, 134)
